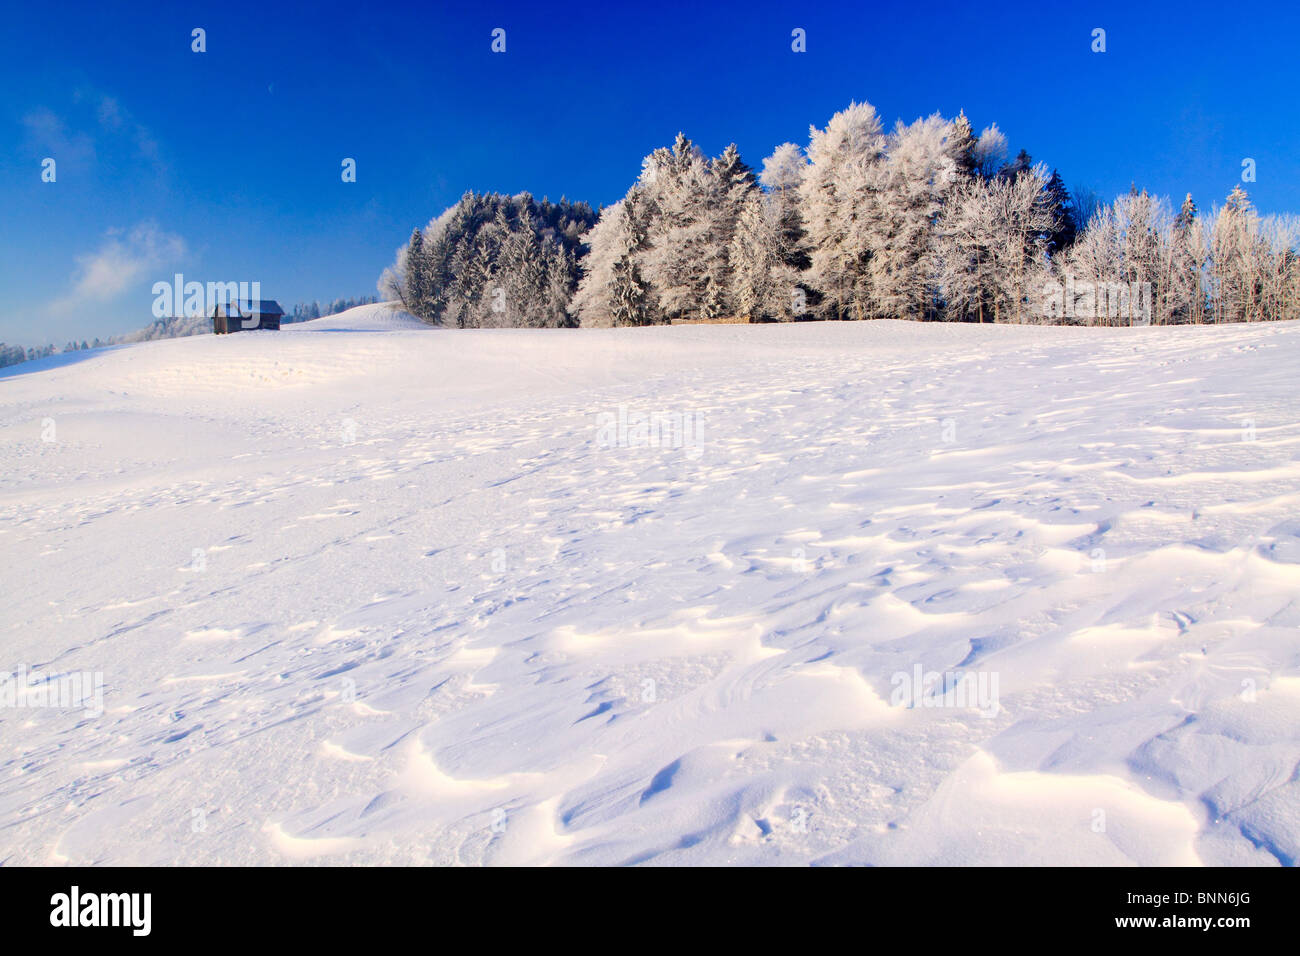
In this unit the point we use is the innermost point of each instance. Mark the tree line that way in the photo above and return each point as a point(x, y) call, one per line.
point(924, 221)
point(306, 311)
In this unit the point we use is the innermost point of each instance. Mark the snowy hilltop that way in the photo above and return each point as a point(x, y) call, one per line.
point(363, 591)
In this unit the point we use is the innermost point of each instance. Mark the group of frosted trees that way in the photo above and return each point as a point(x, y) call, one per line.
point(13, 354)
point(674, 246)
point(493, 261)
point(1232, 266)
point(926, 221)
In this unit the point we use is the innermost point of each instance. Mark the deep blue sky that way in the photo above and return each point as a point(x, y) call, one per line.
point(225, 165)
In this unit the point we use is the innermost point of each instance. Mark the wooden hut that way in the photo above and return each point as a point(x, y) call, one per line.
point(244, 316)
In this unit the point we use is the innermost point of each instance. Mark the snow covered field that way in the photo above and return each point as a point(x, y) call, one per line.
point(364, 592)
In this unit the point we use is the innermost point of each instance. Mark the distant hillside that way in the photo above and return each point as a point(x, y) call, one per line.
point(173, 327)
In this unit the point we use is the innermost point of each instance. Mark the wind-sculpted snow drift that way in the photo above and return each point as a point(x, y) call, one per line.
point(908, 593)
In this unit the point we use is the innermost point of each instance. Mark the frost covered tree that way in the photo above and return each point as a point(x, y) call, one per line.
point(839, 197)
point(1278, 267)
point(783, 174)
point(693, 206)
point(1126, 246)
point(734, 185)
point(420, 285)
point(679, 188)
point(1096, 260)
point(915, 178)
point(613, 290)
point(960, 147)
point(1184, 290)
point(1234, 236)
point(392, 281)
point(783, 171)
point(559, 266)
point(519, 298)
point(1021, 221)
point(756, 262)
point(990, 151)
point(966, 260)
point(1143, 221)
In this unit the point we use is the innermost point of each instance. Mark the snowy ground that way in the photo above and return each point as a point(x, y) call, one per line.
point(365, 592)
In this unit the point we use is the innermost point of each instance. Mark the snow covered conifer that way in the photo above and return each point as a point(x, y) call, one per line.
point(960, 147)
point(754, 261)
point(917, 174)
point(837, 196)
point(1184, 299)
point(733, 183)
point(613, 290)
point(679, 190)
point(783, 173)
point(417, 275)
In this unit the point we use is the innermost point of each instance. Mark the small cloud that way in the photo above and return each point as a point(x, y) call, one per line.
point(110, 113)
point(121, 260)
point(99, 125)
point(48, 134)
point(113, 117)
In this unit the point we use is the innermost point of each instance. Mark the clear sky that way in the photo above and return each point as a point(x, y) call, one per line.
point(225, 165)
